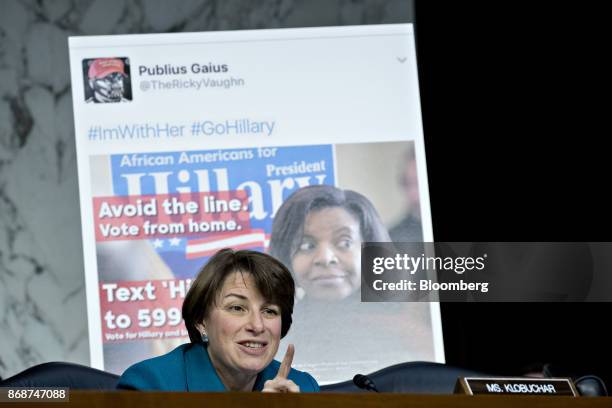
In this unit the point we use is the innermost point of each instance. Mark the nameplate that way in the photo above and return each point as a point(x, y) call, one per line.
point(515, 386)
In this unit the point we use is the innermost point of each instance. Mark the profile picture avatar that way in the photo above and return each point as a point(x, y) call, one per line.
point(107, 80)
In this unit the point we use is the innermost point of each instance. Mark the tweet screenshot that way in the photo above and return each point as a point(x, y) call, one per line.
point(301, 143)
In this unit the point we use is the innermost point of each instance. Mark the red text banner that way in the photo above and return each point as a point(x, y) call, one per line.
point(140, 310)
point(139, 217)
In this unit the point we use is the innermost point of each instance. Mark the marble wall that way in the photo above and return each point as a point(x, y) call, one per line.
point(42, 292)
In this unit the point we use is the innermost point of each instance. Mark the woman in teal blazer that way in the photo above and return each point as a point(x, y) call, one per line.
point(188, 368)
point(236, 311)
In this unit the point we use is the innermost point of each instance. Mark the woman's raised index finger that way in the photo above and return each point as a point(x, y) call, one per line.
point(285, 367)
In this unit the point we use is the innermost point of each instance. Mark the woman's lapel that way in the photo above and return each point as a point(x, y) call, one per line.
point(199, 372)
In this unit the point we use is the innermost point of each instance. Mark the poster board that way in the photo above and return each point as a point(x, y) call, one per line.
point(189, 143)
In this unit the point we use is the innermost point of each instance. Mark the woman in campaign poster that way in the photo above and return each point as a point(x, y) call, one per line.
point(317, 233)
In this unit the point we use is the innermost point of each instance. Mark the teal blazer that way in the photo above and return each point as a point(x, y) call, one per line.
point(188, 368)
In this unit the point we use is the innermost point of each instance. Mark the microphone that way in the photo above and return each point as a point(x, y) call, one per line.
point(364, 382)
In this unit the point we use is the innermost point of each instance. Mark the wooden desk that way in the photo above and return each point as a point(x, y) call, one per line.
point(124, 399)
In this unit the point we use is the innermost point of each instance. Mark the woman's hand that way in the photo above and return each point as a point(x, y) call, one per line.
point(281, 383)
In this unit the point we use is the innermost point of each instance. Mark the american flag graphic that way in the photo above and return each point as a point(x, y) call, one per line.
point(199, 248)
